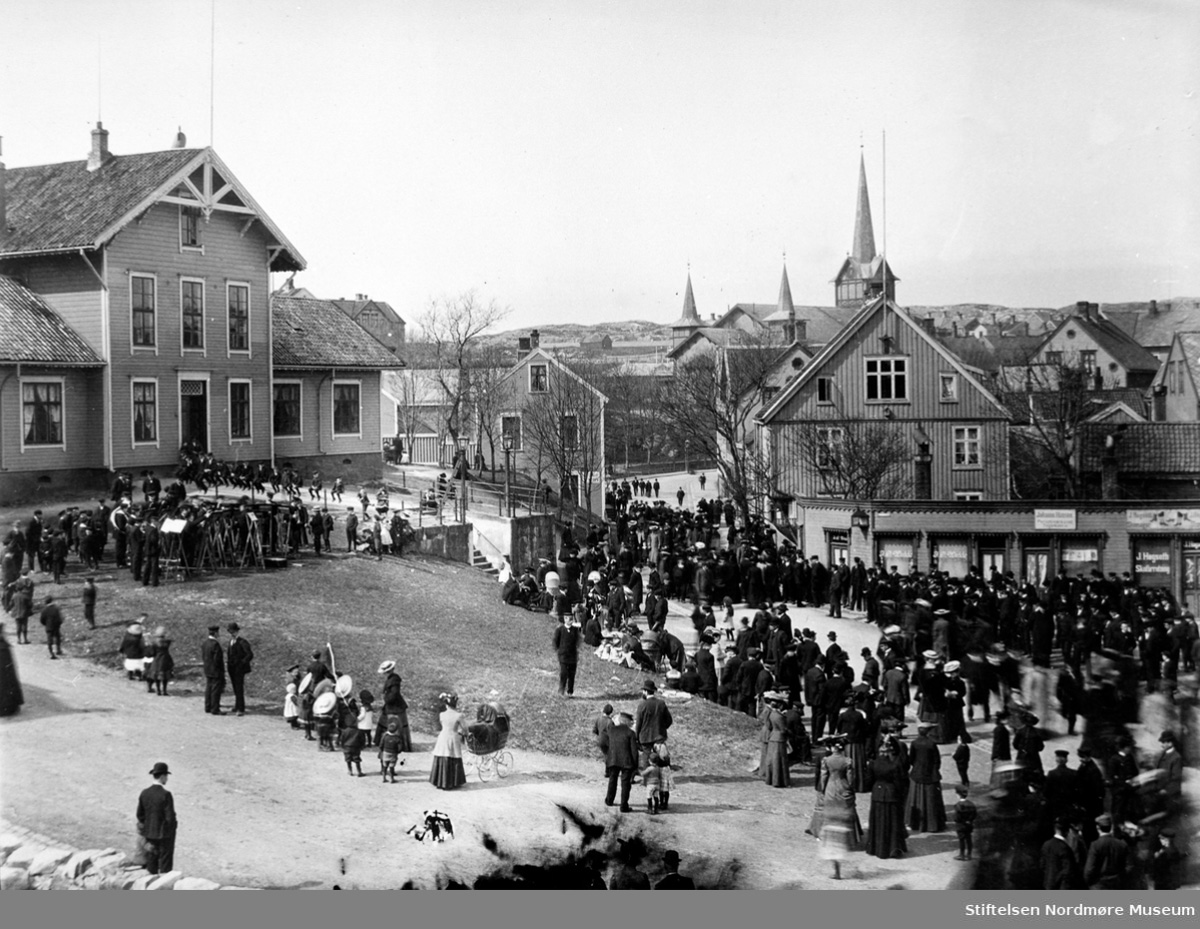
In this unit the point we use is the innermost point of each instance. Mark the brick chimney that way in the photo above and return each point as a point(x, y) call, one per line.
point(1094, 311)
point(801, 330)
point(534, 339)
point(927, 323)
point(1153, 307)
point(100, 153)
point(1081, 309)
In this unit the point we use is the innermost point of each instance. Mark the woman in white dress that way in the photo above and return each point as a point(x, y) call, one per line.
point(448, 772)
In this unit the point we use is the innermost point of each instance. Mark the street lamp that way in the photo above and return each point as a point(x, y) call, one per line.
point(463, 444)
point(861, 519)
point(507, 440)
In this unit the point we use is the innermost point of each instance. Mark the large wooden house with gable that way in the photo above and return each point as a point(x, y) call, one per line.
point(159, 264)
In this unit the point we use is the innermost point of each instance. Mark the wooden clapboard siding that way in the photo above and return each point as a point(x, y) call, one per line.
point(316, 413)
point(151, 246)
point(70, 289)
point(82, 422)
point(923, 411)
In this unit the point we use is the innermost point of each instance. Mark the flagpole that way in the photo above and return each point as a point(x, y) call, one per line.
point(885, 266)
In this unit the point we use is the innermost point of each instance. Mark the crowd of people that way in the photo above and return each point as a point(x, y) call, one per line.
point(950, 650)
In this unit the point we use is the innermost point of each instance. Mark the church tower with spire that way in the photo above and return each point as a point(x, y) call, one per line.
point(863, 274)
point(689, 322)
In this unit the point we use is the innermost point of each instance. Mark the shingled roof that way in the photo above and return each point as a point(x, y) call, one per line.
point(1143, 448)
point(309, 333)
point(32, 333)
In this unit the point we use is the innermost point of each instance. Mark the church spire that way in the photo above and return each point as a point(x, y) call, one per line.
point(689, 304)
point(864, 232)
point(786, 306)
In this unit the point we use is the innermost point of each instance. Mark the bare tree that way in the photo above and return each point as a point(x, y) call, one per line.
point(849, 459)
point(452, 327)
point(710, 403)
point(634, 423)
point(487, 369)
point(564, 426)
point(1048, 404)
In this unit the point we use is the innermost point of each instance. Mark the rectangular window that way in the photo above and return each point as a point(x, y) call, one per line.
point(287, 409)
point(145, 412)
point(239, 317)
point(1054, 358)
point(569, 428)
point(829, 443)
point(511, 426)
point(538, 379)
point(239, 410)
point(41, 412)
point(948, 388)
point(769, 394)
point(191, 301)
point(142, 303)
point(887, 379)
point(967, 496)
point(824, 390)
point(346, 408)
point(966, 447)
point(1087, 360)
point(189, 227)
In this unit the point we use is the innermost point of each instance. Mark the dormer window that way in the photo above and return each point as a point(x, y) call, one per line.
point(538, 379)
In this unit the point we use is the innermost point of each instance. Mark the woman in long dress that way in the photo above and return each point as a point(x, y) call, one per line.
point(162, 665)
point(886, 835)
point(394, 707)
point(774, 768)
point(841, 831)
point(953, 724)
point(447, 772)
point(932, 708)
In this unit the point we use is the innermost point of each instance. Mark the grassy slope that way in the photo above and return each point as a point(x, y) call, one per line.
point(442, 623)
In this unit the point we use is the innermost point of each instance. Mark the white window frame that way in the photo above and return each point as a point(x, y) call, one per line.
point(968, 496)
point(246, 439)
point(333, 409)
point(562, 432)
point(299, 384)
point(196, 249)
point(829, 439)
point(134, 348)
point(519, 444)
point(62, 405)
point(133, 439)
point(203, 349)
point(828, 382)
point(229, 349)
point(951, 379)
point(546, 366)
point(891, 361)
point(962, 439)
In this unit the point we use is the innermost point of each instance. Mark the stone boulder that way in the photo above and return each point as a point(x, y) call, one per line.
point(196, 883)
point(48, 860)
point(9, 843)
point(23, 857)
point(13, 878)
point(165, 881)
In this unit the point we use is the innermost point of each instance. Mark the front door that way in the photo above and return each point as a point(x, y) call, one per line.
point(1037, 566)
point(991, 558)
point(193, 413)
point(1191, 576)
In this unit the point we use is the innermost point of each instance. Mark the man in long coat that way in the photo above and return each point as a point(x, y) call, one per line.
point(620, 748)
point(653, 720)
point(157, 823)
point(214, 671)
point(240, 656)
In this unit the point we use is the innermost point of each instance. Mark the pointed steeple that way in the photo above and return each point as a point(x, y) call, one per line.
point(689, 304)
point(786, 307)
point(864, 233)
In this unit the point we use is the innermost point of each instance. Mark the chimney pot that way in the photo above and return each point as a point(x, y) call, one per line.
point(534, 339)
point(1093, 311)
point(99, 153)
point(1153, 307)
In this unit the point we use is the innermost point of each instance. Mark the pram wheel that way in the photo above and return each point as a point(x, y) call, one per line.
point(504, 763)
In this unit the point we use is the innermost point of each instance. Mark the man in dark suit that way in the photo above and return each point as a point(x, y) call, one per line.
point(156, 821)
point(1058, 860)
point(706, 667)
point(52, 619)
point(240, 656)
point(214, 671)
point(620, 748)
point(839, 581)
point(566, 646)
point(653, 720)
point(748, 682)
point(1107, 858)
point(673, 880)
point(814, 696)
point(601, 724)
point(728, 691)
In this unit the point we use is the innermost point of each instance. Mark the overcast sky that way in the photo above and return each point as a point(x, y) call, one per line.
point(571, 159)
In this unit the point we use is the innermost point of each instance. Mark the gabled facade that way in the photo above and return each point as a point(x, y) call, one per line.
point(1176, 388)
point(1098, 347)
point(886, 371)
point(554, 420)
point(161, 262)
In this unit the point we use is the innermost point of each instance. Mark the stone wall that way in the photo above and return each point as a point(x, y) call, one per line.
point(29, 861)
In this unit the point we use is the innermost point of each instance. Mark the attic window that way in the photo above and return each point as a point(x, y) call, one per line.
point(1070, 333)
point(797, 364)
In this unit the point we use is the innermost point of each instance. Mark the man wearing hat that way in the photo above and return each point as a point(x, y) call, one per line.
point(1062, 785)
point(673, 880)
point(1089, 784)
point(1059, 867)
point(240, 656)
point(730, 670)
point(156, 822)
point(748, 681)
point(620, 748)
point(1170, 763)
point(653, 721)
point(214, 671)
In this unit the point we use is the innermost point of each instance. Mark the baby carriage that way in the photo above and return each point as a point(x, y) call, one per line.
point(486, 738)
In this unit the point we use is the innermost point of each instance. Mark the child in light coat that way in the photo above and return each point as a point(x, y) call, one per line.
point(291, 707)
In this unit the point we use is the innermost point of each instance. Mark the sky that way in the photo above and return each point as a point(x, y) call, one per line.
point(572, 161)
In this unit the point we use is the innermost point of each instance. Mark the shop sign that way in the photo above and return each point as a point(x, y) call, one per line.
point(839, 537)
point(1163, 519)
point(1152, 562)
point(1054, 519)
